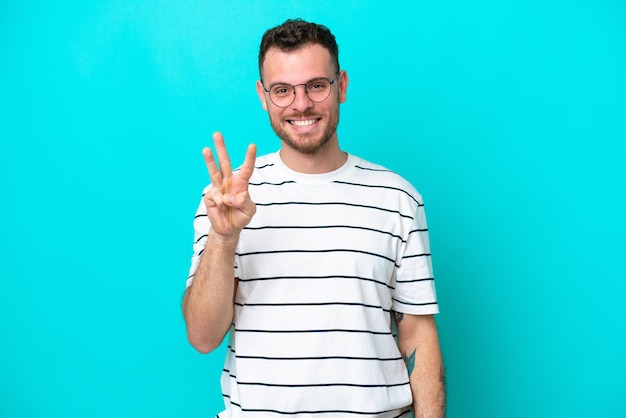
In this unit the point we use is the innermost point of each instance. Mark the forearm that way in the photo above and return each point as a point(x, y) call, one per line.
point(419, 344)
point(208, 304)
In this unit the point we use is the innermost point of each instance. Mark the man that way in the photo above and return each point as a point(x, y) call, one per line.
point(331, 260)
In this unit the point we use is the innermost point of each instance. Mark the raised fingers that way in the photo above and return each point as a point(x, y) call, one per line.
point(222, 155)
point(248, 165)
point(211, 165)
point(221, 175)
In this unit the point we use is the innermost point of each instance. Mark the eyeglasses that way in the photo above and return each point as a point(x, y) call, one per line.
point(317, 90)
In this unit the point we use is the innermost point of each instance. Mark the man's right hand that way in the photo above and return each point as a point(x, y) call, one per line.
point(228, 203)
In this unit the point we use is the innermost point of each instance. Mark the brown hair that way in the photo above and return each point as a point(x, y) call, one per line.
point(294, 34)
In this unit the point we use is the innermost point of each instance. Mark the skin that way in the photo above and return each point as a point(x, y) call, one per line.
point(418, 341)
point(312, 149)
point(208, 303)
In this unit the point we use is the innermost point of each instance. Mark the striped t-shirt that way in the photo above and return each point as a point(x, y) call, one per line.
point(321, 266)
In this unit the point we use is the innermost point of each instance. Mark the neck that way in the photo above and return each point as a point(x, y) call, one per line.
point(325, 160)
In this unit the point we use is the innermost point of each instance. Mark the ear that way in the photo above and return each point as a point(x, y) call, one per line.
point(343, 86)
point(261, 92)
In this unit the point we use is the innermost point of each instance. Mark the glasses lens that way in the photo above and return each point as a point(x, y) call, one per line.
point(318, 90)
point(282, 95)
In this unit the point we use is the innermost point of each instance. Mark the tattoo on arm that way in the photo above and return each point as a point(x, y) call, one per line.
point(410, 361)
point(399, 316)
point(410, 358)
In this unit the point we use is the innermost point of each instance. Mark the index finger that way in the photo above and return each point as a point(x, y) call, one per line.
point(245, 172)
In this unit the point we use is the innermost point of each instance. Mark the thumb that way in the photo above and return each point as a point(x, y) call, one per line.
point(240, 201)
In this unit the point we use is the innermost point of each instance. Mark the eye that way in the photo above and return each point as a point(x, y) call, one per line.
point(281, 90)
point(318, 85)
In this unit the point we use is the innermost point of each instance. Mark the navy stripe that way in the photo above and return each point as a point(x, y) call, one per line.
point(314, 304)
point(415, 304)
point(380, 170)
point(356, 385)
point(337, 250)
point(319, 358)
point(203, 236)
point(312, 331)
point(415, 280)
point(333, 411)
point(416, 255)
point(315, 277)
point(380, 187)
point(258, 228)
point(266, 183)
point(335, 204)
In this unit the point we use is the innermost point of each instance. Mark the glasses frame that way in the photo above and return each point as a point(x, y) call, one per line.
point(305, 90)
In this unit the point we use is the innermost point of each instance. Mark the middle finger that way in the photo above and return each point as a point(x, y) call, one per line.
point(222, 155)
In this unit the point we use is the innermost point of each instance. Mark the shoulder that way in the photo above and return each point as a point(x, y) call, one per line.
point(378, 175)
point(264, 165)
point(265, 161)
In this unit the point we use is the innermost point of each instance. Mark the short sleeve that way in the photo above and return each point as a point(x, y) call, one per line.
point(201, 227)
point(415, 283)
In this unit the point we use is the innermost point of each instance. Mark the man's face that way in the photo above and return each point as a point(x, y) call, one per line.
point(305, 126)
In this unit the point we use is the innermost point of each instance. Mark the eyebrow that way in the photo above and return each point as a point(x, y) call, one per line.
point(282, 83)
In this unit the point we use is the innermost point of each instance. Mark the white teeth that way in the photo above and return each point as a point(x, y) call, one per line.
point(303, 122)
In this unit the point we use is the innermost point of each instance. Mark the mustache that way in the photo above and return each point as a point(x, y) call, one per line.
point(303, 115)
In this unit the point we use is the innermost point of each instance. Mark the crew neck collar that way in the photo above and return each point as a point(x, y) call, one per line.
point(315, 179)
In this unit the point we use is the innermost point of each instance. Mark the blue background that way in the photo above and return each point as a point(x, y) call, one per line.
point(509, 118)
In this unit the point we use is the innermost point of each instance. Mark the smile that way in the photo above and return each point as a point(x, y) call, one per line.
point(303, 122)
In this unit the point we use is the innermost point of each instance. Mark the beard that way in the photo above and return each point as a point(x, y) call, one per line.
point(307, 143)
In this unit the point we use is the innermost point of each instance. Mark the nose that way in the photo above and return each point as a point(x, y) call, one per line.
point(301, 102)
